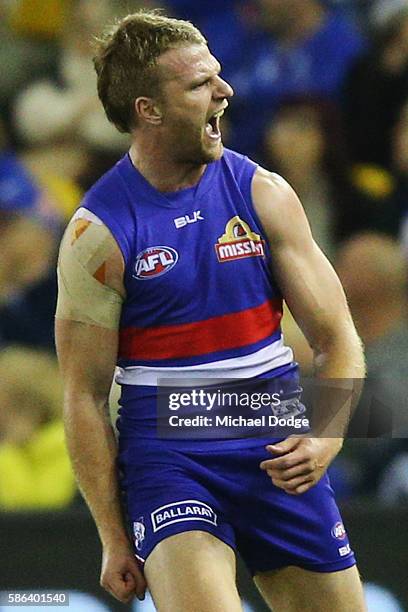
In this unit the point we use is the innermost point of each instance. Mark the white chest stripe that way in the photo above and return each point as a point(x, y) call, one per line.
point(246, 366)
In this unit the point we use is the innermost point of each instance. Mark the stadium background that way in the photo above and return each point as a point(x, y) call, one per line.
point(321, 96)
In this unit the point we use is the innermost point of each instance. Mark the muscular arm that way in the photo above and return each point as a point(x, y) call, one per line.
point(316, 299)
point(90, 273)
point(308, 282)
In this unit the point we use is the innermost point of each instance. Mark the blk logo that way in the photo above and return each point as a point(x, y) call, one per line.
point(155, 261)
point(186, 219)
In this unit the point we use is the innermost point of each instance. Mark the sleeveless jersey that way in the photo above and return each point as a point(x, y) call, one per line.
point(201, 298)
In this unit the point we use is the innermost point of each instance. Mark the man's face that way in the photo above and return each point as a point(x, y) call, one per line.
point(193, 97)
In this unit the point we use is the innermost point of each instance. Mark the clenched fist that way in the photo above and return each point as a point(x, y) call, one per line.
point(121, 575)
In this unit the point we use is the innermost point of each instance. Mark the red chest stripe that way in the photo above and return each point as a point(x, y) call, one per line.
point(210, 336)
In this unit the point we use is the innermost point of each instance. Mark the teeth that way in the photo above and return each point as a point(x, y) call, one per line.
point(220, 113)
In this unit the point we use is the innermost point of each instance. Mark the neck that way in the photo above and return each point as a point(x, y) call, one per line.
point(373, 325)
point(165, 174)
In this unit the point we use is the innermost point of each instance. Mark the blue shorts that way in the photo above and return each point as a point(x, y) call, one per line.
point(171, 488)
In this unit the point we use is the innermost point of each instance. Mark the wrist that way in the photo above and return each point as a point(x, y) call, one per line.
point(333, 445)
point(114, 540)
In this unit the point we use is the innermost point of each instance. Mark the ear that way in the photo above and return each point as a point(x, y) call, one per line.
point(148, 110)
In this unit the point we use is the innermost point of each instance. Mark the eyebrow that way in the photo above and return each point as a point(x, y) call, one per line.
point(205, 78)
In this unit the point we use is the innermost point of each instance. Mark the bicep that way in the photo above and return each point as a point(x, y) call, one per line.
point(311, 290)
point(308, 282)
point(90, 299)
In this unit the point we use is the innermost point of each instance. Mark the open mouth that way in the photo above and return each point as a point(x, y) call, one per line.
point(212, 128)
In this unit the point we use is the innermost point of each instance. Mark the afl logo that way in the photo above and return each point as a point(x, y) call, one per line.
point(154, 262)
point(338, 531)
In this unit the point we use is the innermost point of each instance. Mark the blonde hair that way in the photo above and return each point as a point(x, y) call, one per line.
point(125, 60)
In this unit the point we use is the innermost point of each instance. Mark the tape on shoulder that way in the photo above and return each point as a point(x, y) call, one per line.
point(82, 294)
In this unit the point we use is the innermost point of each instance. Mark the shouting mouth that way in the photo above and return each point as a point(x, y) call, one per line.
point(212, 128)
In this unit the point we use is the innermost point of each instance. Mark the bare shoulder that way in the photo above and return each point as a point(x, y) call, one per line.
point(278, 207)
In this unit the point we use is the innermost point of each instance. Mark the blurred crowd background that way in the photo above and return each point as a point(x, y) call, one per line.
point(321, 97)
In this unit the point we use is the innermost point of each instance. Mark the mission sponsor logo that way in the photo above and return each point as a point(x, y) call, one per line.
point(177, 512)
point(239, 242)
point(155, 261)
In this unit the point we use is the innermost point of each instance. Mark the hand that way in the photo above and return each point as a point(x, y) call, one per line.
point(300, 462)
point(121, 575)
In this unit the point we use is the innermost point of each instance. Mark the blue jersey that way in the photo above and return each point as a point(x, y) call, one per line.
point(201, 298)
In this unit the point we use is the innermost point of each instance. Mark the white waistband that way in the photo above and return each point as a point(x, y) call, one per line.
point(246, 366)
